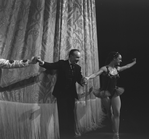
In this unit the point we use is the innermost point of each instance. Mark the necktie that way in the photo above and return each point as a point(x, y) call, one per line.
point(72, 68)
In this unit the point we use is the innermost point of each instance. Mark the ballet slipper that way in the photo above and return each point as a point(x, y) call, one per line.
point(116, 136)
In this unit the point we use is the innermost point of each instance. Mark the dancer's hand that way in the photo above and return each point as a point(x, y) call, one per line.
point(87, 78)
point(134, 60)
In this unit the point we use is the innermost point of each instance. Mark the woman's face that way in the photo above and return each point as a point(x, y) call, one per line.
point(118, 60)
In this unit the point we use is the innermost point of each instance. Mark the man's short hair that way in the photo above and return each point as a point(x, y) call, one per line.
point(72, 51)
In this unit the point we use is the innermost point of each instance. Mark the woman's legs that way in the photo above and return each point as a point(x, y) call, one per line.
point(116, 106)
point(106, 102)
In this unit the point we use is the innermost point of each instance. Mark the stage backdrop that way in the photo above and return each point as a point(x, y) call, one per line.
point(46, 28)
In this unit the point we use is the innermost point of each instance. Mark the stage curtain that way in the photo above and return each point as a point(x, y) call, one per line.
point(46, 28)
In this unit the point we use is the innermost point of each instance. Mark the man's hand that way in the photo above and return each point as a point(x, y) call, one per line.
point(33, 60)
point(83, 81)
point(40, 61)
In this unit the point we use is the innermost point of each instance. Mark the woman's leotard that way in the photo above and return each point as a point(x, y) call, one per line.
point(109, 82)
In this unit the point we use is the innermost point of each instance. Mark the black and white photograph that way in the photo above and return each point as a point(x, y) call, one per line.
point(74, 69)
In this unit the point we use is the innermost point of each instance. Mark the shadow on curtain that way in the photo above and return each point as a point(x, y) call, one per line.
point(46, 28)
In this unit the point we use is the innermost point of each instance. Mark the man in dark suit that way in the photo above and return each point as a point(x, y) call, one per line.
point(68, 73)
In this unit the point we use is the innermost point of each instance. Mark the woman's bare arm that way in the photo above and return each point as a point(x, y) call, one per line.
point(127, 66)
point(101, 70)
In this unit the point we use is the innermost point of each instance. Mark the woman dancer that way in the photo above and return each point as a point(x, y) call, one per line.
point(109, 91)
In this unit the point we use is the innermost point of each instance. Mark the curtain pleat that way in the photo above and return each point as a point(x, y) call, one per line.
point(46, 28)
point(28, 121)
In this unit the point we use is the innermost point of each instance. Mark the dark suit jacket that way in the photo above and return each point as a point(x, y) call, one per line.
point(66, 79)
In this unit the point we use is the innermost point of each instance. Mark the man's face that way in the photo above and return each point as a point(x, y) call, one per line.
point(75, 57)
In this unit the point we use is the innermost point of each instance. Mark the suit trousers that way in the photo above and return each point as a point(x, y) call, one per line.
point(66, 114)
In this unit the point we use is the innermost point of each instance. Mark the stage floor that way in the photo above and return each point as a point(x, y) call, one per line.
point(99, 135)
point(127, 131)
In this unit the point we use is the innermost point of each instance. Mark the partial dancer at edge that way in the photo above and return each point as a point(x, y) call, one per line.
point(8, 64)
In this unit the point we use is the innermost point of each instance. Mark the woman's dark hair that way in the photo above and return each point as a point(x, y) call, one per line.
point(72, 51)
point(112, 55)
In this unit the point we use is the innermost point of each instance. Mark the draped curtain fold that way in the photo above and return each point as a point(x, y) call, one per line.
point(46, 28)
